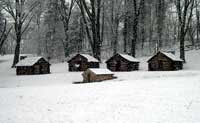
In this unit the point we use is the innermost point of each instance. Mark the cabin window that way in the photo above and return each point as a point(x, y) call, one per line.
point(77, 65)
point(37, 69)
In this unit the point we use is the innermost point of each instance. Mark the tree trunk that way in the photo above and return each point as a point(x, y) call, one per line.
point(95, 21)
point(98, 31)
point(182, 47)
point(125, 30)
point(125, 34)
point(137, 11)
point(143, 14)
point(17, 50)
point(116, 33)
point(103, 21)
point(134, 40)
point(160, 11)
point(66, 44)
point(198, 25)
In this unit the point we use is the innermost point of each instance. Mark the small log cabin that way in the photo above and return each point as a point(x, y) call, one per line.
point(32, 66)
point(122, 62)
point(164, 61)
point(82, 62)
point(97, 75)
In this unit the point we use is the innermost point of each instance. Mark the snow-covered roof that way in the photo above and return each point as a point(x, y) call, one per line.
point(89, 58)
point(98, 71)
point(169, 55)
point(28, 61)
point(129, 58)
point(172, 56)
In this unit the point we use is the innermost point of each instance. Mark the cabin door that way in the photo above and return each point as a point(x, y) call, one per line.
point(43, 69)
point(37, 69)
point(118, 65)
point(160, 65)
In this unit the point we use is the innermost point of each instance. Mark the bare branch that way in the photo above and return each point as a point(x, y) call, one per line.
point(27, 25)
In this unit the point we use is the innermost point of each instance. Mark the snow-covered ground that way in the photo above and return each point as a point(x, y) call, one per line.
point(134, 97)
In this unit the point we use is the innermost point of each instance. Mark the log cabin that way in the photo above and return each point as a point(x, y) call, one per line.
point(164, 61)
point(33, 66)
point(82, 62)
point(122, 62)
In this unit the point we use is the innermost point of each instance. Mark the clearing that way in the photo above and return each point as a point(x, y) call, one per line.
point(134, 97)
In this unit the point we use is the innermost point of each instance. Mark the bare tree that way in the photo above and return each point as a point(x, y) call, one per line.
point(103, 21)
point(143, 24)
point(160, 15)
point(65, 12)
point(22, 17)
point(137, 10)
point(125, 30)
point(185, 12)
point(92, 17)
point(39, 10)
point(114, 21)
point(197, 19)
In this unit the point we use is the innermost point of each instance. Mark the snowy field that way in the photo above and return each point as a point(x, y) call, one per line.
point(134, 97)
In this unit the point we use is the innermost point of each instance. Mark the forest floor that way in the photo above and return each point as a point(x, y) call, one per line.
point(134, 97)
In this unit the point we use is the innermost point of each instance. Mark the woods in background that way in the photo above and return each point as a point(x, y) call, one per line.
point(4, 30)
point(56, 29)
